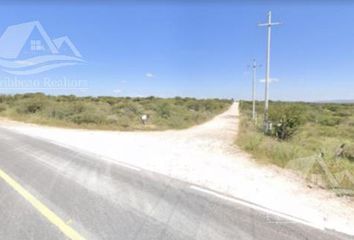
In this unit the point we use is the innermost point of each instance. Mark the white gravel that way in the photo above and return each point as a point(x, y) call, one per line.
point(206, 155)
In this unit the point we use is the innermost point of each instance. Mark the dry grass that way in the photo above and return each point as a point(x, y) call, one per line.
point(323, 129)
point(110, 113)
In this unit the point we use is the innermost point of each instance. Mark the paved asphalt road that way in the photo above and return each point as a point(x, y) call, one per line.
point(100, 199)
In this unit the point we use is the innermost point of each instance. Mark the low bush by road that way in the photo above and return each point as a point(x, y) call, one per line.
point(114, 113)
point(318, 134)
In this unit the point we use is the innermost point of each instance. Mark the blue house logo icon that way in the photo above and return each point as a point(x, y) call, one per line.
point(27, 49)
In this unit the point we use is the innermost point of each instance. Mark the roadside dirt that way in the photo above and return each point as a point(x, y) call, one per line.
point(206, 155)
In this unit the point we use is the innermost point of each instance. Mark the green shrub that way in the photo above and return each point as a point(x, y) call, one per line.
point(31, 105)
point(286, 120)
point(110, 112)
point(163, 110)
point(320, 130)
point(329, 120)
point(3, 107)
point(349, 152)
point(87, 118)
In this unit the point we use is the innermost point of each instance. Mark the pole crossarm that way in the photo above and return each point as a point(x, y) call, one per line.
point(268, 24)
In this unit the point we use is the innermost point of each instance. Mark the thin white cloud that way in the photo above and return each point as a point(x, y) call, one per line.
point(270, 80)
point(149, 75)
point(117, 91)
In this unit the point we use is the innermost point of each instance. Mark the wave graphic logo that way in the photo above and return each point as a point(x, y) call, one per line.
point(27, 49)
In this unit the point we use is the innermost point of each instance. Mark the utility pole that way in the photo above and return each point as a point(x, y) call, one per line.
point(269, 25)
point(254, 79)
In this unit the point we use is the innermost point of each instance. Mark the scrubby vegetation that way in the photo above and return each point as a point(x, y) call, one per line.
point(110, 112)
point(318, 138)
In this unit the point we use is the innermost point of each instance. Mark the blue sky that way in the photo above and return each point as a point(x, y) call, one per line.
point(198, 50)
